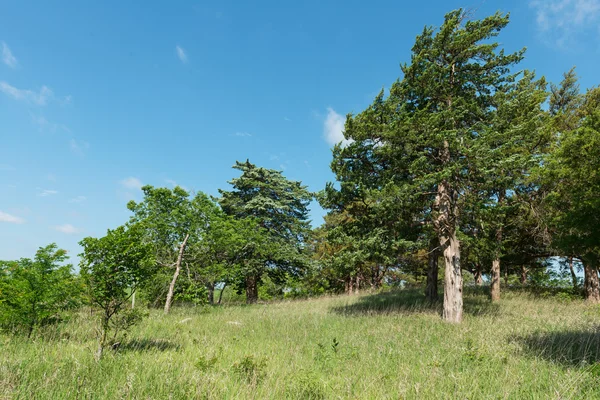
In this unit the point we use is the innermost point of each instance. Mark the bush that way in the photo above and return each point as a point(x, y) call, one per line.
point(251, 369)
point(37, 292)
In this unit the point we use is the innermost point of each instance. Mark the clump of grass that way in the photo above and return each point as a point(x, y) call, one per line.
point(306, 386)
point(204, 364)
point(251, 369)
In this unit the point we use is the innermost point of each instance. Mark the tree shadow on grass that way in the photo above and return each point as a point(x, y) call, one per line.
point(569, 348)
point(146, 345)
point(411, 301)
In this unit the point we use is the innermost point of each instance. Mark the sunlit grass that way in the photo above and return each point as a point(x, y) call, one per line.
point(390, 345)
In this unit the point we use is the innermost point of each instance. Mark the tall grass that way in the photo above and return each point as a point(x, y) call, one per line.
point(389, 345)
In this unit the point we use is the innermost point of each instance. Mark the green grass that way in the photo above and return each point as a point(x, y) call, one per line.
point(384, 346)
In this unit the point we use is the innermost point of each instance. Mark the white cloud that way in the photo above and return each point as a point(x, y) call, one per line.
point(40, 98)
point(131, 183)
point(7, 56)
point(181, 54)
point(43, 123)
point(287, 119)
point(78, 147)
point(67, 229)
point(11, 219)
point(333, 128)
point(46, 126)
point(560, 21)
point(78, 199)
point(46, 192)
point(242, 134)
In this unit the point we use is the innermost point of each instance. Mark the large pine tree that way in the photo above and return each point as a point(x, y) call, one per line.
point(436, 142)
point(280, 207)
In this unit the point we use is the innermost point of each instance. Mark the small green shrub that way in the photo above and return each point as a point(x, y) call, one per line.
point(204, 363)
point(251, 369)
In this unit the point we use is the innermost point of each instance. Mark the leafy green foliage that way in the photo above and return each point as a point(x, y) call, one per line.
point(37, 292)
point(181, 230)
point(113, 268)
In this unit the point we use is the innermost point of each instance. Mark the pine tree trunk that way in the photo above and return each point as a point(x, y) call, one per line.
point(591, 285)
point(495, 284)
point(251, 289)
point(348, 285)
point(176, 274)
point(431, 289)
point(446, 225)
point(478, 275)
point(523, 275)
point(453, 282)
point(573, 275)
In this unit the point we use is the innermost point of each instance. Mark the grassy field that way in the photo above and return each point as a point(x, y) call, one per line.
point(383, 346)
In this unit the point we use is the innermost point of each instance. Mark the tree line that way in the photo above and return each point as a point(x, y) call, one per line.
point(468, 168)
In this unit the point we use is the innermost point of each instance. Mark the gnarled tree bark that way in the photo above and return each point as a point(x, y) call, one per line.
point(591, 285)
point(445, 225)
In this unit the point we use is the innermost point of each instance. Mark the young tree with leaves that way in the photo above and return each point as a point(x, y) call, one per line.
point(35, 292)
point(113, 267)
point(172, 222)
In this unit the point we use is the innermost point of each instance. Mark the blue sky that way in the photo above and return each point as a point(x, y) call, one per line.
point(100, 97)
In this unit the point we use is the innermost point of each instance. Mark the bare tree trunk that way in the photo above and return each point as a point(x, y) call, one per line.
point(478, 275)
point(453, 281)
point(221, 293)
point(176, 274)
point(251, 289)
point(523, 275)
point(446, 225)
point(357, 284)
point(573, 275)
point(591, 285)
point(431, 289)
